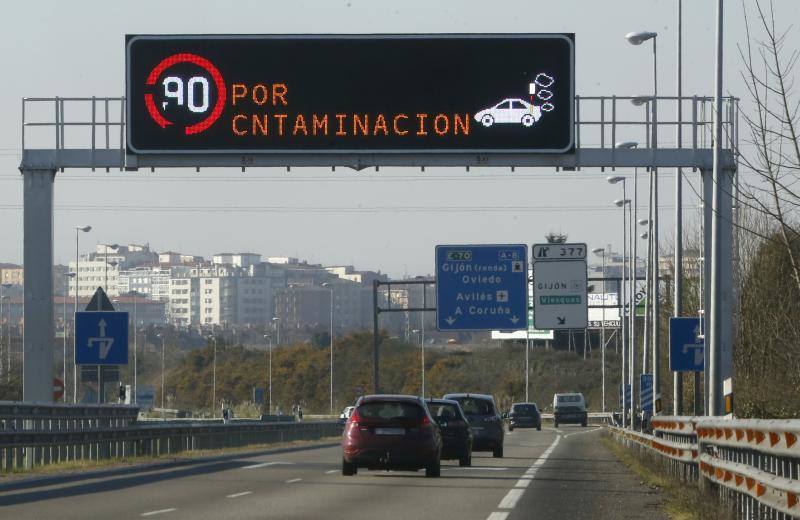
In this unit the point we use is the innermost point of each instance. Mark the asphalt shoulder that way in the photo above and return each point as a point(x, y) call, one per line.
point(582, 478)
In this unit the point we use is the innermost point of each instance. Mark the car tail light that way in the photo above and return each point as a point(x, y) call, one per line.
point(354, 419)
point(425, 422)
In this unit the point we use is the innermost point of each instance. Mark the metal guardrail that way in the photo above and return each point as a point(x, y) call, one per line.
point(36, 435)
point(752, 464)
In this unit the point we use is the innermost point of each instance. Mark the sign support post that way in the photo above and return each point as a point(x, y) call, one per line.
point(37, 338)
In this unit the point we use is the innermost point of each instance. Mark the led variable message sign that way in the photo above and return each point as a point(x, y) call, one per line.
point(350, 94)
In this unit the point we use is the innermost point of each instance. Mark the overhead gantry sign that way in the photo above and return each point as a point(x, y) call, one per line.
point(350, 94)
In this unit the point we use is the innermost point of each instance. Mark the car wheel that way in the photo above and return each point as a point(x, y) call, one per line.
point(583, 423)
point(538, 427)
point(348, 469)
point(555, 424)
point(510, 428)
point(497, 452)
point(527, 120)
point(487, 120)
point(434, 470)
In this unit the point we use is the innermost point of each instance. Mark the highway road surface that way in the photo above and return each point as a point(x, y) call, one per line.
point(564, 473)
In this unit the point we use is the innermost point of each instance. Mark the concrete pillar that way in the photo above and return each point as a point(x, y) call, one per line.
point(38, 300)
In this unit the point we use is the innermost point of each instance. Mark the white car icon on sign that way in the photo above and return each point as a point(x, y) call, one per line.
point(512, 110)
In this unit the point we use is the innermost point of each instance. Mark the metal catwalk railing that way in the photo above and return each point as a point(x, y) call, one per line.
point(97, 124)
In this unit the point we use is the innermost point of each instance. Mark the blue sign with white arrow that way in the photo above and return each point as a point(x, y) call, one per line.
point(646, 392)
point(482, 287)
point(686, 345)
point(101, 338)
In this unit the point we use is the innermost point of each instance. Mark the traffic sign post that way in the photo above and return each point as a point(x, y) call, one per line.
point(482, 287)
point(560, 286)
point(101, 338)
point(686, 345)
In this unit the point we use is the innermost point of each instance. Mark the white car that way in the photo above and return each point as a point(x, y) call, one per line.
point(346, 413)
point(512, 110)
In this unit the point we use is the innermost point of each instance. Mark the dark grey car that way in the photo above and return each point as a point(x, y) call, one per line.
point(484, 420)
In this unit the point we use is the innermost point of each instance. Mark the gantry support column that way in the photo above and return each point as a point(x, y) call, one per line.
point(38, 329)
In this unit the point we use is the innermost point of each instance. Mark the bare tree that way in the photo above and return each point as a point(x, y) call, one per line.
point(774, 154)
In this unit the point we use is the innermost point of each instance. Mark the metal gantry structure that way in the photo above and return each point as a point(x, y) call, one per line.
point(96, 133)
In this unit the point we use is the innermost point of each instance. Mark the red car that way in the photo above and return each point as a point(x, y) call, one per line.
point(391, 432)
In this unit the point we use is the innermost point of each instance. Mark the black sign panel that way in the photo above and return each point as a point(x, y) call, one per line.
point(350, 94)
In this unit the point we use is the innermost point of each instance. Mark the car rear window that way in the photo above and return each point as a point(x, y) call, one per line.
point(389, 410)
point(570, 398)
point(444, 411)
point(525, 409)
point(475, 406)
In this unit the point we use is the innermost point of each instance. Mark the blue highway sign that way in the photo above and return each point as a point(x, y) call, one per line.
point(101, 338)
point(686, 345)
point(482, 287)
point(646, 392)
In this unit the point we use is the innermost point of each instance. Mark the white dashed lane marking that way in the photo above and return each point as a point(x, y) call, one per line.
point(265, 464)
point(160, 511)
point(293, 480)
point(237, 495)
point(498, 516)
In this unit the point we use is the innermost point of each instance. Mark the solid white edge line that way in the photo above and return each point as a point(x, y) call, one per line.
point(159, 511)
point(514, 494)
point(586, 431)
point(293, 480)
point(330, 471)
point(497, 515)
point(237, 495)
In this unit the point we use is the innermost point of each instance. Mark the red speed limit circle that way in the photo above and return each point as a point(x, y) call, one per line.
point(177, 92)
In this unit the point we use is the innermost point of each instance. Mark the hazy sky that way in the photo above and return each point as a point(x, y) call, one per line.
point(390, 220)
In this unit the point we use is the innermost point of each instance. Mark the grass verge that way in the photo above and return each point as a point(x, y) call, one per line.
point(682, 501)
point(86, 465)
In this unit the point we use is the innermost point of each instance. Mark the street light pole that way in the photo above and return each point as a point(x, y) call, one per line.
point(67, 276)
point(330, 286)
point(135, 349)
point(8, 330)
point(84, 229)
point(602, 251)
point(1, 330)
point(269, 338)
point(163, 363)
point(622, 295)
point(214, 378)
point(638, 39)
point(677, 377)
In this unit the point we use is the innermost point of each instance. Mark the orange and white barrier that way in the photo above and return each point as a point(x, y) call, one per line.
point(709, 441)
